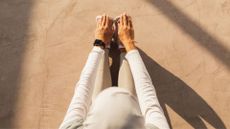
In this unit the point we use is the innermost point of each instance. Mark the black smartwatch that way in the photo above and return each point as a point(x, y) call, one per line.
point(99, 42)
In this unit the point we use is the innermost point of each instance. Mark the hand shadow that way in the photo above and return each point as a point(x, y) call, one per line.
point(175, 93)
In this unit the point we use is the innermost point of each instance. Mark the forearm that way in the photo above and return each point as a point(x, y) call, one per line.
point(145, 90)
point(81, 100)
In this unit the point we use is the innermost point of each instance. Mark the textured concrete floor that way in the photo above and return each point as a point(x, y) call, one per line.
point(44, 45)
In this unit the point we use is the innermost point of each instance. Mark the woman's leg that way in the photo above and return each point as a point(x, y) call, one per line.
point(125, 78)
point(103, 77)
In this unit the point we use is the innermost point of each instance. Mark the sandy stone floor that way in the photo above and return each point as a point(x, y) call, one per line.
point(185, 45)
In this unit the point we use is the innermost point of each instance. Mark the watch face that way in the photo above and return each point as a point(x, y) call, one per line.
point(98, 42)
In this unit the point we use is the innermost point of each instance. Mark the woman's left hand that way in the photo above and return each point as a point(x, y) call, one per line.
point(104, 30)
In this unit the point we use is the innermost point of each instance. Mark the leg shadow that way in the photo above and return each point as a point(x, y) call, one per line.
point(14, 17)
point(114, 68)
point(175, 93)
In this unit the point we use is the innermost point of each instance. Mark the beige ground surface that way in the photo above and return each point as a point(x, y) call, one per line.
point(184, 43)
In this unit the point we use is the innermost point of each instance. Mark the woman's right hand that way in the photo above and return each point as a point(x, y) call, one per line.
point(126, 32)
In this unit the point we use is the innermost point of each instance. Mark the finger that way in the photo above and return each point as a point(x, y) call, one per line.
point(125, 20)
point(130, 22)
point(115, 26)
point(103, 20)
point(117, 20)
point(98, 22)
point(119, 28)
point(112, 29)
point(106, 20)
point(110, 22)
point(122, 20)
point(118, 24)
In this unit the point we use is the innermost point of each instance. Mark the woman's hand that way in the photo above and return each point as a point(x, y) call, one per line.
point(126, 32)
point(104, 30)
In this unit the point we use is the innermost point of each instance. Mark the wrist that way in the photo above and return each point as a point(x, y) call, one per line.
point(130, 47)
point(103, 39)
point(128, 42)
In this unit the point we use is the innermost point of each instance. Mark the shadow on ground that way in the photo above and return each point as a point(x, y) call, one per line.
point(213, 45)
point(175, 93)
point(14, 17)
point(171, 90)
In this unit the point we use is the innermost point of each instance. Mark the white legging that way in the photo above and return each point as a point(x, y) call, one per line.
point(103, 76)
point(96, 74)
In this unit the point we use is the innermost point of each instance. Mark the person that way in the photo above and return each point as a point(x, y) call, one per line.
point(133, 104)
